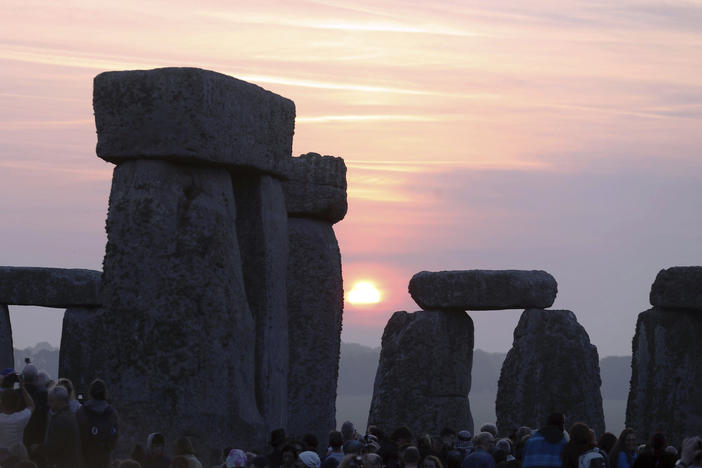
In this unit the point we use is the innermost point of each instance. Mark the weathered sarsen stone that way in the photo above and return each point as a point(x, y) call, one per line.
point(7, 352)
point(483, 289)
point(552, 367)
point(192, 115)
point(262, 229)
point(315, 305)
point(424, 373)
point(49, 287)
point(83, 345)
point(678, 288)
point(316, 187)
point(666, 378)
point(180, 333)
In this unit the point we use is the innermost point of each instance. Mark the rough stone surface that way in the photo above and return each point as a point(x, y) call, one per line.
point(551, 367)
point(82, 345)
point(666, 378)
point(316, 187)
point(424, 373)
point(7, 352)
point(49, 287)
point(315, 305)
point(181, 332)
point(262, 228)
point(678, 288)
point(483, 289)
point(192, 115)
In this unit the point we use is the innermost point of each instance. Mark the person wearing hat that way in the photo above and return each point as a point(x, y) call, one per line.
point(464, 443)
point(310, 459)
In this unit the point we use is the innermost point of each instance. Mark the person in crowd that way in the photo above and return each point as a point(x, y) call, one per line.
point(138, 453)
point(258, 461)
point(336, 453)
point(73, 404)
point(410, 457)
point(623, 453)
point(606, 444)
point(372, 460)
point(98, 425)
point(690, 446)
point(288, 456)
point(464, 444)
point(348, 431)
point(507, 460)
point(520, 438)
point(310, 442)
point(580, 451)
point(351, 461)
point(36, 426)
point(309, 459)
point(184, 449)
point(237, 458)
point(13, 419)
point(402, 437)
point(61, 447)
point(277, 441)
point(480, 457)
point(544, 447)
point(129, 463)
point(654, 455)
point(431, 461)
point(425, 446)
point(491, 428)
point(155, 451)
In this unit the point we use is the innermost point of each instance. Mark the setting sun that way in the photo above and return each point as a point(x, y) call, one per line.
point(363, 292)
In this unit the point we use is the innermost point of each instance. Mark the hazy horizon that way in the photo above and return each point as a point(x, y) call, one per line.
point(562, 136)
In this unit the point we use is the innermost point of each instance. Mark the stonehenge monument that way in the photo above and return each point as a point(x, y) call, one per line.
point(666, 377)
point(423, 380)
point(552, 366)
point(212, 225)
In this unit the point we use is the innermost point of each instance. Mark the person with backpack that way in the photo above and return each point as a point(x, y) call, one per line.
point(581, 450)
point(98, 425)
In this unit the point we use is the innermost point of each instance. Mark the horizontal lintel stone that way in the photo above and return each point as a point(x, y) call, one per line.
point(194, 116)
point(50, 287)
point(316, 187)
point(483, 289)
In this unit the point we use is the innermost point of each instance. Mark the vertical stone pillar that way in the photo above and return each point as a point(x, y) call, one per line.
point(180, 335)
point(666, 364)
point(424, 372)
point(262, 228)
point(552, 367)
point(315, 196)
point(82, 345)
point(7, 352)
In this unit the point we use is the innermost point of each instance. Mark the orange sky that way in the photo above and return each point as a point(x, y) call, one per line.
point(557, 135)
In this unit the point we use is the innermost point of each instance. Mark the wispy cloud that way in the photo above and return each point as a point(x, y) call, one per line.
point(371, 118)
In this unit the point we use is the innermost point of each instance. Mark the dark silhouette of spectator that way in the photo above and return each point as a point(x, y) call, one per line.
point(288, 456)
point(156, 452)
point(334, 457)
point(654, 455)
point(277, 442)
point(61, 447)
point(581, 451)
point(36, 426)
point(184, 449)
point(480, 457)
point(310, 442)
point(73, 404)
point(544, 447)
point(98, 424)
point(623, 453)
point(17, 408)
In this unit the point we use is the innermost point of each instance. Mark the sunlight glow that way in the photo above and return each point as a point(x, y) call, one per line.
point(363, 292)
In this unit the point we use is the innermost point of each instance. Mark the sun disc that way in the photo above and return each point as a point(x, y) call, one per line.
point(363, 292)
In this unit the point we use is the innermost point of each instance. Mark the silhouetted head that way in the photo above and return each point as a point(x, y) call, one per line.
point(556, 419)
point(310, 441)
point(411, 455)
point(57, 398)
point(336, 440)
point(67, 384)
point(401, 436)
point(484, 440)
point(97, 390)
point(277, 437)
point(183, 446)
point(348, 430)
point(491, 428)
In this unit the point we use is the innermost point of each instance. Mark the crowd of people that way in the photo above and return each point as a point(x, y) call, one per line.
point(43, 425)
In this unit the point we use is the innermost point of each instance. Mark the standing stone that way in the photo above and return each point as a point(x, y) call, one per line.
point(82, 346)
point(483, 289)
point(262, 228)
point(180, 337)
point(678, 288)
point(552, 367)
point(666, 378)
point(424, 373)
point(7, 352)
point(315, 305)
